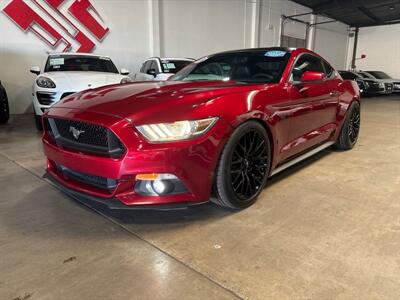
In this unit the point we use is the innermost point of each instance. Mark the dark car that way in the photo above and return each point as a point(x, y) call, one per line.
point(4, 108)
point(385, 85)
point(368, 86)
point(221, 125)
point(386, 77)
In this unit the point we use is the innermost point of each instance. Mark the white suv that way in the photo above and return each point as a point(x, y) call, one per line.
point(68, 73)
point(156, 68)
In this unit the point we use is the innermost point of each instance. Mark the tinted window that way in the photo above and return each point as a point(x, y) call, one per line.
point(146, 66)
point(379, 74)
point(348, 75)
point(365, 75)
point(245, 66)
point(329, 71)
point(79, 63)
point(154, 66)
point(306, 63)
point(173, 66)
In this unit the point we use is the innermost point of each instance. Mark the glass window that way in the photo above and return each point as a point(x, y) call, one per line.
point(154, 66)
point(173, 66)
point(348, 75)
point(79, 63)
point(379, 74)
point(146, 66)
point(329, 71)
point(306, 63)
point(252, 66)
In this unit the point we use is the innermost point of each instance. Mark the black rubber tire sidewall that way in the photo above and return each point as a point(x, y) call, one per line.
point(343, 142)
point(4, 107)
point(223, 188)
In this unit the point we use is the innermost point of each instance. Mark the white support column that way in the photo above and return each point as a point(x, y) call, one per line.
point(252, 23)
point(311, 33)
point(154, 27)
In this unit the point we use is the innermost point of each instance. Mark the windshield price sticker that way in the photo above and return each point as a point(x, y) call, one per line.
point(169, 66)
point(56, 61)
point(275, 53)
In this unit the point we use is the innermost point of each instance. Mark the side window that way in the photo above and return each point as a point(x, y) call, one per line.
point(306, 63)
point(154, 66)
point(146, 66)
point(348, 76)
point(329, 71)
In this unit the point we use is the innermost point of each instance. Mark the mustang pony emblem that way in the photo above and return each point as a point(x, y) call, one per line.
point(75, 132)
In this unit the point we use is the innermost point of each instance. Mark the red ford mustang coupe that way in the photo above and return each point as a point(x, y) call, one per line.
point(220, 127)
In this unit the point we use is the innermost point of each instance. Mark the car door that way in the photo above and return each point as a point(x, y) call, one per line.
point(312, 107)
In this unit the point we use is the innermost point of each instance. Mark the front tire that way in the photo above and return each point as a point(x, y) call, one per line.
point(351, 127)
point(38, 122)
point(243, 167)
point(4, 107)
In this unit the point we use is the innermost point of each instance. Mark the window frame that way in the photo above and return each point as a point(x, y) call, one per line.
point(290, 77)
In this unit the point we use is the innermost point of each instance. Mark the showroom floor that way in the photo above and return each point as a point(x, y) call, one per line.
point(329, 228)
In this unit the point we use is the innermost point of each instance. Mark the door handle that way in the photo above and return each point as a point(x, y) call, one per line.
point(334, 93)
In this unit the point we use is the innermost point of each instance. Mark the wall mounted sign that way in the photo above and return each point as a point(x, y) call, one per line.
point(70, 25)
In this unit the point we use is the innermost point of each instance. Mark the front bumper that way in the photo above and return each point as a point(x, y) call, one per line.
point(193, 162)
point(113, 203)
point(43, 99)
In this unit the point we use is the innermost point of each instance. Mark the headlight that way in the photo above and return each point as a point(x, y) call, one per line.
point(45, 82)
point(126, 80)
point(181, 130)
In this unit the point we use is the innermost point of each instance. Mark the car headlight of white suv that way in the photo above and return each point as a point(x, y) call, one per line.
point(45, 82)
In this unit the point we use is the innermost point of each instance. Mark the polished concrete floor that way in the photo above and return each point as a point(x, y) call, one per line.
point(328, 228)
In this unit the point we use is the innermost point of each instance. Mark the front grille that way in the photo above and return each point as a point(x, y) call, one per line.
point(91, 180)
point(389, 86)
point(86, 137)
point(66, 94)
point(45, 98)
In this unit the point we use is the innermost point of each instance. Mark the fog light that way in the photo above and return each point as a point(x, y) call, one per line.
point(163, 186)
point(155, 184)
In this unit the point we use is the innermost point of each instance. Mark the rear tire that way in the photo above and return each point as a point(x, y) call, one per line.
point(4, 107)
point(243, 167)
point(351, 127)
point(38, 122)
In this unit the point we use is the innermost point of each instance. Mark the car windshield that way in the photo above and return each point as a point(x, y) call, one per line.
point(379, 74)
point(366, 75)
point(174, 65)
point(80, 63)
point(253, 66)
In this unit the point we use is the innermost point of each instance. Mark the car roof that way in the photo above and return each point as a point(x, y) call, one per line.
point(76, 54)
point(171, 58)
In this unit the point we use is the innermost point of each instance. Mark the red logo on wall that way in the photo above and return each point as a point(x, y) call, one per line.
point(56, 23)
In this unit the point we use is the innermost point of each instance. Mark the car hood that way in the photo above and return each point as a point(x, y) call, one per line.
point(153, 101)
point(78, 81)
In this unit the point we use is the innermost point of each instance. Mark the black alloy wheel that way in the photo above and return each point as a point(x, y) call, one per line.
point(248, 165)
point(4, 107)
point(350, 129)
point(244, 166)
point(354, 126)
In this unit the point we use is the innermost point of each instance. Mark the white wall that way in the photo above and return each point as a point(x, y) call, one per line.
point(188, 28)
point(381, 44)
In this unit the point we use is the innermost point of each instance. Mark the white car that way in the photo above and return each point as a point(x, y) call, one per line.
point(156, 68)
point(68, 73)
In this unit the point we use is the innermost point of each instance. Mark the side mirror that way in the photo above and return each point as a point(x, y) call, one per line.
point(35, 70)
point(124, 71)
point(312, 77)
point(152, 72)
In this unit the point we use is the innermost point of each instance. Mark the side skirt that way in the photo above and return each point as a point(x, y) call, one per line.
point(301, 157)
